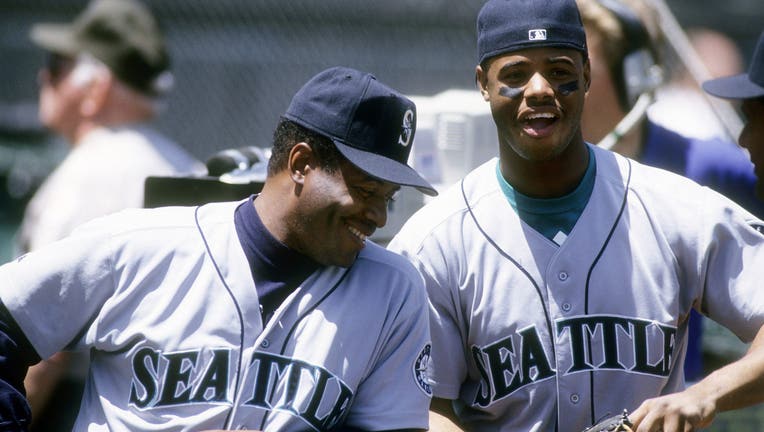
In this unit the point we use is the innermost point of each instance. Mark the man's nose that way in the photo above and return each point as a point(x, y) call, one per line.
point(376, 211)
point(538, 87)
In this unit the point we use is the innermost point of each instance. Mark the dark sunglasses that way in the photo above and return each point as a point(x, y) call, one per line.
point(58, 65)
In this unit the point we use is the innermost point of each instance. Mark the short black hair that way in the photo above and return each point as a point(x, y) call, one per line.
point(289, 133)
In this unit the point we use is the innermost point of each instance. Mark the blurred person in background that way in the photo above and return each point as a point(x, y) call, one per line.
point(104, 80)
point(616, 31)
point(624, 50)
point(680, 104)
point(748, 89)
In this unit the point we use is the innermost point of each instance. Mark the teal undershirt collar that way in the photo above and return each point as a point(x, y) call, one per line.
point(554, 218)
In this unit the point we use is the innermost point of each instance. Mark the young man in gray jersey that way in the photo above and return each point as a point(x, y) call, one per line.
point(273, 314)
point(561, 275)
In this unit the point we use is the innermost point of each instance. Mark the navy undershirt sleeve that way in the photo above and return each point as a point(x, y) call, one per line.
point(16, 355)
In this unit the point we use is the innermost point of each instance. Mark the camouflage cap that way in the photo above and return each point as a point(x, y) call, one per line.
point(122, 34)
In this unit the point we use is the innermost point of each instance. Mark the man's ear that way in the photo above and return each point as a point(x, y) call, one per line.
point(587, 74)
point(97, 94)
point(300, 162)
point(481, 80)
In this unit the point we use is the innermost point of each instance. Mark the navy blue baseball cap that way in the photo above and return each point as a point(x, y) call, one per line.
point(509, 25)
point(371, 124)
point(742, 86)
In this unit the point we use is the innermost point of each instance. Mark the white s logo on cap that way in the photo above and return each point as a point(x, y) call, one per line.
point(408, 119)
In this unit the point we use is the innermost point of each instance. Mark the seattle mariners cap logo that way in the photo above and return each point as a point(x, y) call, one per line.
point(537, 34)
point(408, 128)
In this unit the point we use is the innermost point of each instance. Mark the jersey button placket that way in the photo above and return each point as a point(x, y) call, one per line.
point(563, 276)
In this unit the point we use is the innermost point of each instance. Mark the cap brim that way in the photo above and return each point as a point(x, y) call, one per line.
point(56, 38)
point(734, 87)
point(385, 169)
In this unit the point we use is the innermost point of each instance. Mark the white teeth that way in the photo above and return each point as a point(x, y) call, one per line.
point(540, 115)
point(357, 233)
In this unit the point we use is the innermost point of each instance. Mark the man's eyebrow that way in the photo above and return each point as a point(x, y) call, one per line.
point(550, 60)
point(381, 183)
point(561, 59)
point(512, 64)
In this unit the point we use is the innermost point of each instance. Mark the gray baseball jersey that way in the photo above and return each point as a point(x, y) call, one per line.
point(528, 334)
point(165, 303)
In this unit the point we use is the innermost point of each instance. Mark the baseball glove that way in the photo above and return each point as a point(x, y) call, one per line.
point(612, 424)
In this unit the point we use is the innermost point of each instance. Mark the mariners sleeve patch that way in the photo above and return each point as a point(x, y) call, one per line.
point(421, 370)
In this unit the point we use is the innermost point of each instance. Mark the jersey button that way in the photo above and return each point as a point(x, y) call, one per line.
point(563, 276)
point(265, 343)
point(566, 307)
point(574, 398)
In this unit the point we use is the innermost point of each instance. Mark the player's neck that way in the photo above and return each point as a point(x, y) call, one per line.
point(548, 179)
point(82, 129)
point(271, 210)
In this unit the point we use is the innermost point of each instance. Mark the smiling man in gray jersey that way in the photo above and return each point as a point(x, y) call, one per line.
point(274, 313)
